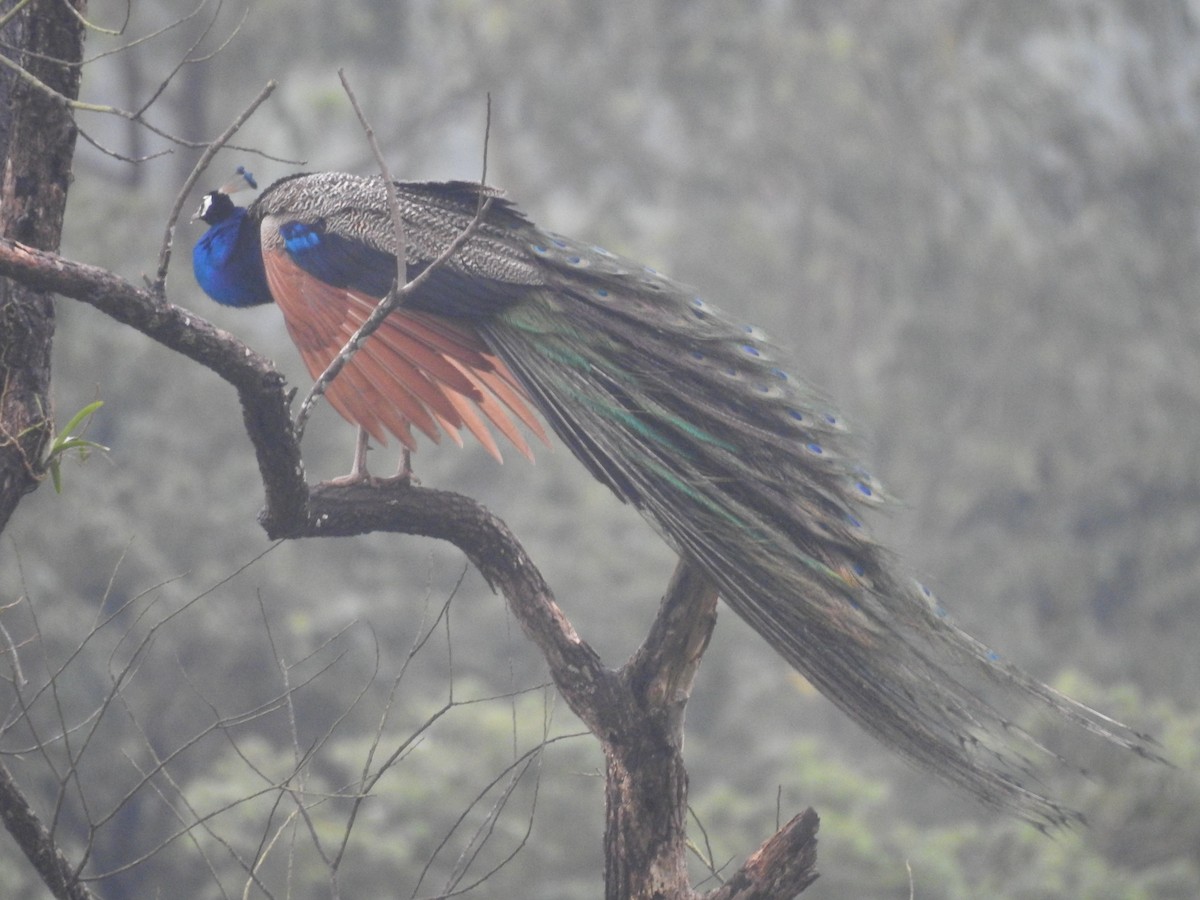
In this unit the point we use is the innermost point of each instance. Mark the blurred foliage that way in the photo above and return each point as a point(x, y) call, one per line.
point(975, 224)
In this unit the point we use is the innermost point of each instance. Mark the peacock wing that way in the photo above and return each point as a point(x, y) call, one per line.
point(418, 369)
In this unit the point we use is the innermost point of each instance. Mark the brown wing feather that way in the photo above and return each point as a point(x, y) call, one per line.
point(416, 370)
point(488, 373)
point(365, 393)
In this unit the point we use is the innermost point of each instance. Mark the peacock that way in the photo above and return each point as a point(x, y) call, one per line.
point(681, 410)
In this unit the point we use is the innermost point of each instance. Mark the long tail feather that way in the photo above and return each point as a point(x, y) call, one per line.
point(687, 416)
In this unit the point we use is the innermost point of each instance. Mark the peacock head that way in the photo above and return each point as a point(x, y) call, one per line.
point(217, 206)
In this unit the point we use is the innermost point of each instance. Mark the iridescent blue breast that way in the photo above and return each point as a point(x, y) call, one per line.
point(228, 265)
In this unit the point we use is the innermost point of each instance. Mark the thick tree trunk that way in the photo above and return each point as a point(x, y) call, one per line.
point(645, 840)
point(39, 141)
point(646, 802)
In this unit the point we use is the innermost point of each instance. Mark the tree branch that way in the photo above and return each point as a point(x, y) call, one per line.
point(664, 667)
point(38, 845)
point(164, 255)
point(291, 512)
point(636, 712)
point(780, 868)
point(260, 386)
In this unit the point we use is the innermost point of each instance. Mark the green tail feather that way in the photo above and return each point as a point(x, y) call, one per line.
point(685, 415)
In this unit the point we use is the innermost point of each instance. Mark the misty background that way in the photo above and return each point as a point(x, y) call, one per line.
point(975, 226)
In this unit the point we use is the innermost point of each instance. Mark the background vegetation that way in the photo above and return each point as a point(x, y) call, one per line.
point(977, 225)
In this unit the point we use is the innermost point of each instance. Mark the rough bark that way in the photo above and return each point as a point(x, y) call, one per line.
point(40, 143)
point(645, 841)
point(37, 843)
point(37, 144)
point(782, 867)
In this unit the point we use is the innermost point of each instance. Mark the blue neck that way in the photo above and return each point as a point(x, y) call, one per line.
point(228, 264)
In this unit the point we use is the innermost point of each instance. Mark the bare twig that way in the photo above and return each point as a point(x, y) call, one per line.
point(86, 23)
point(12, 650)
point(120, 157)
point(295, 792)
point(367, 779)
point(188, 59)
point(389, 184)
point(486, 828)
point(381, 312)
point(487, 136)
point(149, 36)
point(396, 297)
point(14, 12)
point(253, 880)
point(164, 256)
point(82, 106)
point(513, 771)
point(707, 858)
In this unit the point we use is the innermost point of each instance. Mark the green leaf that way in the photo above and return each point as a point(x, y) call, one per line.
point(64, 442)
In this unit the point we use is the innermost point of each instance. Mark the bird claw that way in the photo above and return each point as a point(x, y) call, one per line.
point(351, 479)
point(404, 474)
point(402, 479)
point(359, 475)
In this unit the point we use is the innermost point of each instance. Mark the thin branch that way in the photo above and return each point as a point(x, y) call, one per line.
point(707, 858)
point(252, 880)
point(90, 26)
point(487, 827)
point(164, 256)
point(188, 59)
point(36, 842)
point(14, 12)
point(393, 300)
point(487, 136)
point(146, 38)
point(83, 106)
point(298, 757)
point(131, 115)
point(13, 651)
point(366, 780)
point(120, 157)
point(389, 184)
point(395, 297)
point(513, 771)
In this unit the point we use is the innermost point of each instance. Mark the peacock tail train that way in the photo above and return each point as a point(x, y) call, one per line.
point(677, 408)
